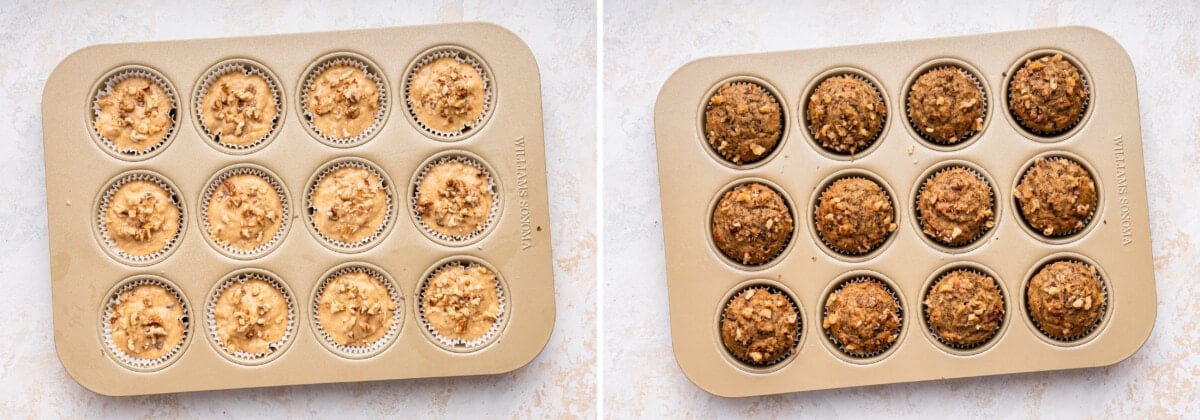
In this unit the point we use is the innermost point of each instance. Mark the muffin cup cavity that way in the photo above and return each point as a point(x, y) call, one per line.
point(954, 348)
point(1071, 235)
point(276, 348)
point(876, 138)
point(493, 188)
point(838, 348)
point(104, 87)
point(106, 328)
point(397, 315)
point(1093, 330)
point(379, 232)
point(1084, 111)
point(460, 55)
point(766, 366)
point(706, 106)
point(987, 228)
point(829, 247)
point(779, 255)
point(285, 218)
point(458, 345)
point(248, 68)
point(371, 71)
point(105, 200)
point(966, 70)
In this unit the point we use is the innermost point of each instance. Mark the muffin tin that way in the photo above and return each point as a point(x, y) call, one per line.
point(87, 271)
point(1107, 141)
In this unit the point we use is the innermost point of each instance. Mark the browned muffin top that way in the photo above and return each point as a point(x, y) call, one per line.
point(845, 114)
point(1047, 94)
point(855, 215)
point(751, 224)
point(956, 207)
point(945, 105)
point(862, 317)
point(964, 308)
point(1065, 299)
point(759, 326)
point(743, 122)
point(1056, 196)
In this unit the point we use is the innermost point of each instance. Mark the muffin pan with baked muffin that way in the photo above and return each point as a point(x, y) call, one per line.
point(922, 210)
point(257, 212)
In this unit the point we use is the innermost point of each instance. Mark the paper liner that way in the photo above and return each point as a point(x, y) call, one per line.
point(799, 326)
point(983, 111)
point(846, 252)
point(137, 363)
point(786, 242)
point(102, 210)
point(991, 204)
point(493, 213)
point(462, 56)
point(1103, 304)
point(106, 89)
point(284, 219)
point(248, 68)
point(1083, 108)
point(708, 107)
point(384, 184)
point(370, 70)
point(1087, 221)
point(242, 277)
point(933, 331)
point(882, 120)
point(899, 315)
point(458, 344)
point(379, 344)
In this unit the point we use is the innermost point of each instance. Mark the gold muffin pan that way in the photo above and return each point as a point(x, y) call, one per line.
point(87, 270)
point(1106, 141)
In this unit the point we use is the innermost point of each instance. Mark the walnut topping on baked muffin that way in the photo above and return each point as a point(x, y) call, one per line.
point(855, 215)
point(135, 114)
point(455, 198)
point(1047, 94)
point(141, 218)
point(146, 321)
point(845, 114)
point(751, 224)
point(760, 326)
point(461, 302)
point(956, 207)
point(964, 308)
point(945, 105)
point(244, 212)
point(238, 108)
point(350, 204)
point(447, 94)
point(343, 101)
point(862, 317)
point(1065, 299)
point(1057, 196)
point(743, 122)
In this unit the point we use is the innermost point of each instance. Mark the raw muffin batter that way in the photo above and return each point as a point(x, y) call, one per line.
point(743, 122)
point(447, 95)
point(238, 108)
point(964, 308)
point(141, 218)
point(855, 215)
point(251, 317)
point(343, 101)
point(146, 322)
point(759, 326)
point(1047, 94)
point(945, 105)
point(351, 204)
point(356, 309)
point(751, 224)
point(135, 114)
point(956, 207)
point(461, 302)
point(1056, 196)
point(455, 199)
point(862, 317)
point(845, 114)
point(1065, 299)
point(244, 212)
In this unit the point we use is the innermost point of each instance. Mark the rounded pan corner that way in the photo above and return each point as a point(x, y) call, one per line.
point(523, 47)
point(83, 381)
point(545, 340)
point(1100, 36)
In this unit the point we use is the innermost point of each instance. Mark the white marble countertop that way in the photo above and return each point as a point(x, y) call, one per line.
point(35, 36)
point(644, 42)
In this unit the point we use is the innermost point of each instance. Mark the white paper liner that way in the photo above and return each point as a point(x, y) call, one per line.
point(991, 204)
point(105, 201)
point(1103, 305)
point(242, 277)
point(899, 315)
point(933, 331)
point(882, 119)
point(782, 121)
point(371, 72)
point(397, 314)
point(1083, 108)
point(1087, 221)
point(846, 252)
point(786, 242)
point(458, 343)
point(387, 217)
point(137, 363)
point(284, 218)
point(106, 89)
point(492, 213)
point(799, 326)
point(982, 111)
point(461, 56)
point(250, 69)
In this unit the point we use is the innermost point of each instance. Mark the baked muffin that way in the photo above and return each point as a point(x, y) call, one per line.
point(1047, 94)
point(845, 114)
point(134, 114)
point(1065, 299)
point(751, 224)
point(964, 308)
point(141, 218)
point(447, 95)
point(251, 316)
point(343, 101)
point(956, 207)
point(945, 105)
point(244, 212)
point(743, 122)
point(1057, 196)
point(238, 108)
point(350, 204)
point(760, 326)
point(356, 309)
point(863, 318)
point(146, 322)
point(455, 199)
point(855, 215)
point(461, 302)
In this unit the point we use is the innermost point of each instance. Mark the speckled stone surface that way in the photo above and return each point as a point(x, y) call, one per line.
point(35, 36)
point(644, 42)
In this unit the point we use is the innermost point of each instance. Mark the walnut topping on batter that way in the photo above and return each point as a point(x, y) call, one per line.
point(135, 114)
point(350, 204)
point(855, 215)
point(343, 101)
point(461, 302)
point(1065, 299)
point(238, 108)
point(845, 114)
point(760, 326)
point(356, 309)
point(447, 95)
point(251, 316)
point(743, 122)
point(751, 224)
point(141, 218)
point(946, 105)
point(244, 212)
point(1056, 196)
point(964, 308)
point(1047, 94)
point(146, 321)
point(956, 207)
point(455, 198)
